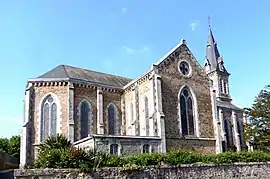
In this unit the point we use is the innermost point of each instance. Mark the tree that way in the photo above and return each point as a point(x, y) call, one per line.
point(258, 121)
point(11, 146)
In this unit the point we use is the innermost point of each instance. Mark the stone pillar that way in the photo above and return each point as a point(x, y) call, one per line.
point(123, 125)
point(25, 127)
point(134, 124)
point(100, 121)
point(216, 122)
point(221, 119)
point(152, 105)
point(71, 113)
point(235, 132)
point(160, 124)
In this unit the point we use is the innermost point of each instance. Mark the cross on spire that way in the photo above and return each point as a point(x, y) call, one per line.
point(209, 21)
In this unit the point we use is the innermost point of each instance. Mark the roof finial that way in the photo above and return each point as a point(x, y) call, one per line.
point(209, 21)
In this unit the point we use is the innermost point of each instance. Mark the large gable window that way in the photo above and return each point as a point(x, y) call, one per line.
point(48, 122)
point(112, 119)
point(85, 119)
point(186, 112)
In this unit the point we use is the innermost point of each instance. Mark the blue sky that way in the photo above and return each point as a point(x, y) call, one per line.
point(125, 38)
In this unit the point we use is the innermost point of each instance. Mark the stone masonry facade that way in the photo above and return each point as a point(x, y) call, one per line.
point(130, 116)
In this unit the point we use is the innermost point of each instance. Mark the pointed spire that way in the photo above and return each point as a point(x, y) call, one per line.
point(212, 53)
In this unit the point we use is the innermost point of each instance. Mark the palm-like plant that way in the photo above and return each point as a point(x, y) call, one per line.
point(58, 141)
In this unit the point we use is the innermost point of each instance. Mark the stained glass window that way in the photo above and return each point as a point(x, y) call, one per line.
point(187, 112)
point(48, 123)
point(111, 120)
point(85, 120)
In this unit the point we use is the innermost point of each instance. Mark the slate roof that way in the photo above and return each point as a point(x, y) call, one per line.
point(75, 73)
point(229, 105)
point(213, 57)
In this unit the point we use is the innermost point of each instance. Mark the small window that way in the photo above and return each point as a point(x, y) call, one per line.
point(225, 86)
point(184, 68)
point(114, 149)
point(220, 86)
point(146, 148)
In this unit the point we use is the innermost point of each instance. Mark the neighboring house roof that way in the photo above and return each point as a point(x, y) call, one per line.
point(75, 73)
point(229, 105)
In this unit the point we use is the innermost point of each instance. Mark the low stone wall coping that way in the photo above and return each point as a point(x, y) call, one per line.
point(237, 170)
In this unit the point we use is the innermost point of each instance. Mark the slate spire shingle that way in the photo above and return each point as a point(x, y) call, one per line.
point(213, 59)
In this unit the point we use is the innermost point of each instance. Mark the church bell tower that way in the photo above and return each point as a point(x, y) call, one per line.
point(215, 69)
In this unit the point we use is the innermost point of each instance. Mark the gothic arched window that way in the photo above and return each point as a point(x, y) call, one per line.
point(111, 119)
point(48, 123)
point(187, 112)
point(85, 119)
point(146, 113)
point(240, 132)
point(228, 131)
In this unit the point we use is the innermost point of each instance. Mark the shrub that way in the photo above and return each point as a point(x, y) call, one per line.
point(182, 157)
point(145, 159)
point(53, 158)
point(58, 141)
point(115, 161)
point(57, 152)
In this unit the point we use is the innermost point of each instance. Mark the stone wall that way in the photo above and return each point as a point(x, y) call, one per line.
point(247, 171)
point(197, 82)
point(61, 91)
point(207, 146)
point(82, 92)
point(127, 145)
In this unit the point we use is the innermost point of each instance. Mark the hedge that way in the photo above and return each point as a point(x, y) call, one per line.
point(85, 160)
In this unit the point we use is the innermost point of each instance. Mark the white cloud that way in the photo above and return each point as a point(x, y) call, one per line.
point(130, 50)
point(193, 25)
point(124, 10)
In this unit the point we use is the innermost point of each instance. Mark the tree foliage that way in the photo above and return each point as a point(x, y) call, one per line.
point(58, 152)
point(55, 142)
point(11, 146)
point(258, 120)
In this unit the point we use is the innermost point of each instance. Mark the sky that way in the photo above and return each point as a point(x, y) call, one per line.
point(125, 37)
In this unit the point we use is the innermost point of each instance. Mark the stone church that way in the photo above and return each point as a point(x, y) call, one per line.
point(176, 104)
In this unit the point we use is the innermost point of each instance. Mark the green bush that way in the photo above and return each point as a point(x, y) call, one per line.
point(53, 158)
point(115, 161)
point(182, 157)
point(145, 159)
point(57, 152)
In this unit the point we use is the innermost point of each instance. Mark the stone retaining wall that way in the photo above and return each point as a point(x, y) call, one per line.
point(247, 171)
